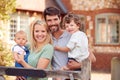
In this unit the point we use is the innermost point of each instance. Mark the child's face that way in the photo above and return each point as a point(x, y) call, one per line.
point(71, 27)
point(21, 39)
point(40, 33)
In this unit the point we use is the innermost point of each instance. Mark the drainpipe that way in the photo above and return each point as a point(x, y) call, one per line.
point(62, 7)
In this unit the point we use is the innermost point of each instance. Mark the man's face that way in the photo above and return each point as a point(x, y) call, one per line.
point(53, 23)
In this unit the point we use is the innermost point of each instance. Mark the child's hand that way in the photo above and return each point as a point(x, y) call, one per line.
point(56, 47)
point(65, 68)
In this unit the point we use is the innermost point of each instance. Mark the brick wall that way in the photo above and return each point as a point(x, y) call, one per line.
point(103, 61)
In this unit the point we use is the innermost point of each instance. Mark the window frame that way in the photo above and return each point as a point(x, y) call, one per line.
point(18, 18)
point(105, 15)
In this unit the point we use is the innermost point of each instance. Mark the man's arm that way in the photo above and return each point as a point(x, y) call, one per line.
point(73, 64)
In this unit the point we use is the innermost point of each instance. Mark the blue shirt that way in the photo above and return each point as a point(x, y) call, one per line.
point(60, 59)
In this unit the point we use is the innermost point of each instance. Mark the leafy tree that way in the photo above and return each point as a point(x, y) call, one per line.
point(6, 57)
point(6, 8)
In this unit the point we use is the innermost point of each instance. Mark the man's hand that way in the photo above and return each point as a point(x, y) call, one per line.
point(91, 56)
point(72, 65)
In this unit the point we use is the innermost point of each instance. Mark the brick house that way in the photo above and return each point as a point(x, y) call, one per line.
point(100, 21)
point(102, 25)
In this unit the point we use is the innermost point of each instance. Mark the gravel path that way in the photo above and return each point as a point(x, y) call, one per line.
point(100, 76)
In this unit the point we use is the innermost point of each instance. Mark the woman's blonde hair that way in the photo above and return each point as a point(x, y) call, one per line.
point(33, 43)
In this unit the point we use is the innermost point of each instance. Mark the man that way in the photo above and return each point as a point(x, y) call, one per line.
point(60, 37)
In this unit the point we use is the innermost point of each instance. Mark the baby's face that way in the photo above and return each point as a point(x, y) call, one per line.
point(20, 40)
point(71, 27)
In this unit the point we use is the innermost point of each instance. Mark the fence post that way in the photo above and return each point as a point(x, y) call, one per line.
point(115, 68)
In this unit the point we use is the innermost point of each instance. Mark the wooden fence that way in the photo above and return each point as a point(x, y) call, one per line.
point(84, 74)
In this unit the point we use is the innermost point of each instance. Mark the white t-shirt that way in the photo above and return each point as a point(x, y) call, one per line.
point(19, 49)
point(78, 45)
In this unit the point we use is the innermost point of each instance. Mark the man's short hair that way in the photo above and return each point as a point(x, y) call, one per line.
point(51, 11)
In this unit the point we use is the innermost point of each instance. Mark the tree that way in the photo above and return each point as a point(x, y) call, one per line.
point(6, 8)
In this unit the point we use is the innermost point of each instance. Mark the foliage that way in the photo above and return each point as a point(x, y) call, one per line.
point(6, 57)
point(6, 8)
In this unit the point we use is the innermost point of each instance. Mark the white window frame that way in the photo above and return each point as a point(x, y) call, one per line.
point(18, 18)
point(105, 16)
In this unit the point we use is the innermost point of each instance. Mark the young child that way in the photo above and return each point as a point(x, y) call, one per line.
point(20, 48)
point(77, 46)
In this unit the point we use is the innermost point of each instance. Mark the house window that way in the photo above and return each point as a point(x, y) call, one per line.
point(107, 30)
point(13, 28)
point(82, 18)
point(18, 22)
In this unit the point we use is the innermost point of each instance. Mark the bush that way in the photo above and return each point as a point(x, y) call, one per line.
point(6, 57)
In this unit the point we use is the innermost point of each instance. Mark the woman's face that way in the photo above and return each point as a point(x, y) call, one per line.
point(40, 33)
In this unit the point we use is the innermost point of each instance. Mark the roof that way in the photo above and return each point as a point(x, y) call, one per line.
point(38, 5)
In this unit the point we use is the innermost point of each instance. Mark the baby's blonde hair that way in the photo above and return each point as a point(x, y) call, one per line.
point(21, 32)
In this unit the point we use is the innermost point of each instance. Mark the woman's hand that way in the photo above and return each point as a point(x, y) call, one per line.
point(19, 57)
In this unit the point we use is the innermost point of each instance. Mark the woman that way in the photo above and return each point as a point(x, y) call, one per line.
point(41, 49)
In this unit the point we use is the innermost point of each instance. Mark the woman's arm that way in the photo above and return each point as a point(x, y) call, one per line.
point(43, 63)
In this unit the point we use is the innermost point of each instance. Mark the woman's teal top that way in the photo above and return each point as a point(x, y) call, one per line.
point(46, 52)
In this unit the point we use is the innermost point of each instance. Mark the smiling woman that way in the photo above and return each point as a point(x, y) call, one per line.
point(39, 34)
point(41, 49)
